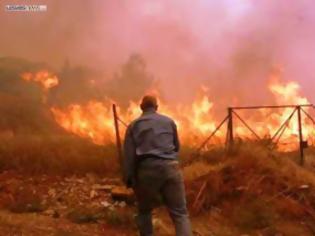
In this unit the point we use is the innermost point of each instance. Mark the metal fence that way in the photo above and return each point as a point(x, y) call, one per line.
point(233, 115)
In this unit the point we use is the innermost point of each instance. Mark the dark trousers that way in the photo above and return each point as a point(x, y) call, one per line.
point(161, 178)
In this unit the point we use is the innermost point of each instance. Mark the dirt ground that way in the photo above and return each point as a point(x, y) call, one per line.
point(67, 205)
point(248, 196)
point(61, 205)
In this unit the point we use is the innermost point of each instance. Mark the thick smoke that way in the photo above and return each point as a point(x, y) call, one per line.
point(231, 46)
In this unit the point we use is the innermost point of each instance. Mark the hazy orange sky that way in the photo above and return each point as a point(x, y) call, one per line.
point(186, 43)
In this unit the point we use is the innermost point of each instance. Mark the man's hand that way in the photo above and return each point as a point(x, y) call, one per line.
point(130, 182)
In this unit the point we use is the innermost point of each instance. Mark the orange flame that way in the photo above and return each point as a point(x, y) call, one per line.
point(268, 121)
point(195, 121)
point(95, 120)
point(44, 78)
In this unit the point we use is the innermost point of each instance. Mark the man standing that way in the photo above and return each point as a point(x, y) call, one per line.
point(151, 168)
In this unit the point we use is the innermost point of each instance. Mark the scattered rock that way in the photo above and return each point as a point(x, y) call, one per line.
point(304, 187)
point(52, 192)
point(51, 212)
point(105, 188)
point(93, 194)
point(105, 204)
point(80, 181)
point(122, 204)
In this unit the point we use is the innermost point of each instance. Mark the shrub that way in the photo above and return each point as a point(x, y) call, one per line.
point(59, 154)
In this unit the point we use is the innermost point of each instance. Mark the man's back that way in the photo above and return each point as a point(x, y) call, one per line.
point(150, 167)
point(155, 134)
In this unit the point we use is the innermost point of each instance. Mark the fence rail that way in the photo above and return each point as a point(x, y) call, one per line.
point(230, 119)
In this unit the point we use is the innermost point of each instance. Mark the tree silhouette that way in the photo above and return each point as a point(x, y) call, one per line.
point(132, 82)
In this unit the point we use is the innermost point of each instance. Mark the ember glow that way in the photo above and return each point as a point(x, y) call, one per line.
point(43, 77)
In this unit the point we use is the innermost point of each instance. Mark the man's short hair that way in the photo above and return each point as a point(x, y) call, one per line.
point(148, 101)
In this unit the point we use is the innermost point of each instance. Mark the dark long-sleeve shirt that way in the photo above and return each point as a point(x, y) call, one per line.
point(150, 134)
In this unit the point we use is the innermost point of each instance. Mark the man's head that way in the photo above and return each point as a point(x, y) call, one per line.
point(148, 102)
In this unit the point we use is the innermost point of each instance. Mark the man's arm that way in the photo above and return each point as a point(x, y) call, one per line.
point(176, 138)
point(129, 161)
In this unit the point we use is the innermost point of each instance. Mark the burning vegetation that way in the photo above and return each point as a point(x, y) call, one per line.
point(77, 103)
point(93, 119)
point(248, 190)
point(58, 157)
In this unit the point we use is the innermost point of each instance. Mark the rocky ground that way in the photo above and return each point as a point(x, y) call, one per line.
point(251, 194)
point(72, 206)
point(64, 205)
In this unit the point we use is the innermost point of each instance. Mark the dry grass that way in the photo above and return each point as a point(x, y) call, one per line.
point(253, 188)
point(82, 215)
point(25, 200)
point(62, 154)
point(112, 217)
point(120, 217)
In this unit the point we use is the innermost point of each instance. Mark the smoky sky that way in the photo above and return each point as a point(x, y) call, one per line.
point(228, 45)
